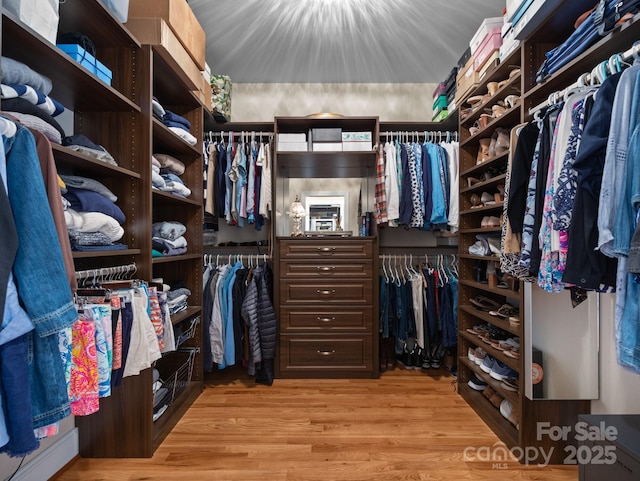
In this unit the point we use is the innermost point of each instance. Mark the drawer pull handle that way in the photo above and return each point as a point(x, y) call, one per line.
point(326, 269)
point(326, 353)
point(326, 292)
point(326, 249)
point(326, 319)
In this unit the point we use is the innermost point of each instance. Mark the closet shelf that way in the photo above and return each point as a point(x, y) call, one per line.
point(163, 138)
point(448, 124)
point(499, 355)
point(184, 257)
point(499, 179)
point(496, 385)
point(73, 85)
point(501, 72)
point(89, 255)
point(508, 119)
point(326, 164)
point(481, 230)
point(169, 198)
point(506, 431)
point(83, 164)
point(190, 311)
point(480, 258)
point(490, 207)
point(494, 320)
point(511, 87)
point(617, 41)
point(485, 287)
point(496, 161)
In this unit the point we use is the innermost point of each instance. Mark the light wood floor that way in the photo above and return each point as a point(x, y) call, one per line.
point(407, 425)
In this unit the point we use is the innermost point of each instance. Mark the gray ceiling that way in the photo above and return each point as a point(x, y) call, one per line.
point(339, 41)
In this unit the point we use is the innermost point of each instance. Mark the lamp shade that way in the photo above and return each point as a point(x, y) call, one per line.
point(296, 209)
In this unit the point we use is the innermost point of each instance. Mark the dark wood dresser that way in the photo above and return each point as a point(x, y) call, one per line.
point(326, 291)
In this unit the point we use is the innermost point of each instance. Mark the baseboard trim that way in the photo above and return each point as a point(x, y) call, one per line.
point(51, 460)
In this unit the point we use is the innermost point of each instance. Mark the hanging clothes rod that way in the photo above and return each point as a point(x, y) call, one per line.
point(217, 259)
point(431, 135)
point(117, 272)
point(594, 77)
point(249, 133)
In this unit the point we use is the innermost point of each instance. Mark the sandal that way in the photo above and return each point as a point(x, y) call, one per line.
point(471, 181)
point(484, 303)
point(505, 311)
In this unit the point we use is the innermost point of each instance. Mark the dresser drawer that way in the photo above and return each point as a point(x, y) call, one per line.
point(312, 319)
point(323, 269)
point(326, 352)
point(356, 292)
point(326, 249)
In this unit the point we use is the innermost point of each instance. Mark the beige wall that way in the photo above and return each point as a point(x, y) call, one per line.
point(389, 102)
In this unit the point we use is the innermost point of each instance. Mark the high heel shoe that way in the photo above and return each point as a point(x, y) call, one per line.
point(492, 87)
point(498, 110)
point(475, 200)
point(483, 150)
point(511, 101)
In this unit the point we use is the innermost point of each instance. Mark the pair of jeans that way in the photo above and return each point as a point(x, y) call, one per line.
point(16, 397)
point(384, 307)
point(40, 277)
point(583, 37)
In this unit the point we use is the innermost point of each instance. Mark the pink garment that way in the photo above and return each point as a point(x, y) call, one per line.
point(83, 389)
point(117, 335)
point(156, 316)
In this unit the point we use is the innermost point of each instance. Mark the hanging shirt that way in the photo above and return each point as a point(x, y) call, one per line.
point(391, 183)
point(264, 161)
point(380, 194)
point(251, 182)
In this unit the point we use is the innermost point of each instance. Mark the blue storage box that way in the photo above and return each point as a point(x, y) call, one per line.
point(103, 72)
point(79, 54)
point(88, 61)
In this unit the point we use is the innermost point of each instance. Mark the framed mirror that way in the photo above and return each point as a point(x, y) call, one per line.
point(326, 212)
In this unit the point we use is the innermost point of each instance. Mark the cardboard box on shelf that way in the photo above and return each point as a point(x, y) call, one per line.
point(181, 20)
point(468, 79)
point(155, 31)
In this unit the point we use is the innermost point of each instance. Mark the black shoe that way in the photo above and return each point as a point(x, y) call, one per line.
point(404, 358)
point(476, 383)
point(416, 356)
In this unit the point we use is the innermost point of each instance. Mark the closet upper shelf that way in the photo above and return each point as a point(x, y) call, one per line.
point(73, 85)
point(165, 139)
point(347, 124)
point(106, 30)
point(171, 86)
point(617, 41)
point(449, 124)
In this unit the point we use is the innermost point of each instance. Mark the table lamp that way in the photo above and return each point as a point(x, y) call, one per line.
point(296, 212)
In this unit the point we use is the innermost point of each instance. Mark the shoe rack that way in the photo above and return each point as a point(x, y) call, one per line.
point(485, 121)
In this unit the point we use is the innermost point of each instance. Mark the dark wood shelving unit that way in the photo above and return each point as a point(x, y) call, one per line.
point(528, 57)
point(119, 117)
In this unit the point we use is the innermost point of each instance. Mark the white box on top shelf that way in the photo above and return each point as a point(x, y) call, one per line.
point(485, 28)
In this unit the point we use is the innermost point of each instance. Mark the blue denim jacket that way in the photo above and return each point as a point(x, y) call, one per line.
point(40, 276)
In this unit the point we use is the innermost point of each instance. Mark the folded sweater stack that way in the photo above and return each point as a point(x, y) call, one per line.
point(93, 219)
point(174, 122)
point(25, 95)
point(165, 172)
point(168, 238)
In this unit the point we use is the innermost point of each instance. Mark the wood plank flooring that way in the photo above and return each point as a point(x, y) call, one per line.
point(407, 425)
